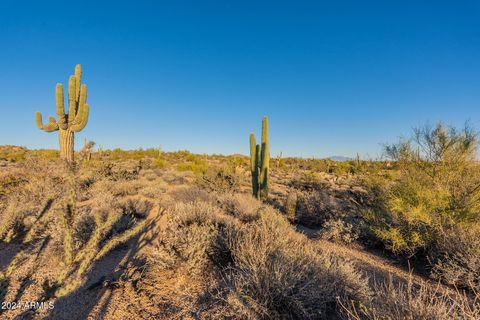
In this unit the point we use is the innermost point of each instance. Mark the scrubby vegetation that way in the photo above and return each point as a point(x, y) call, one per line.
point(145, 234)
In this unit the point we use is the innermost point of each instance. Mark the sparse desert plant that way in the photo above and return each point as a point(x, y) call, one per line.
point(221, 180)
point(291, 206)
point(338, 231)
point(87, 150)
point(74, 121)
point(260, 162)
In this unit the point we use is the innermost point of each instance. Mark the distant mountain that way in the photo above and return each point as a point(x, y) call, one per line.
point(339, 158)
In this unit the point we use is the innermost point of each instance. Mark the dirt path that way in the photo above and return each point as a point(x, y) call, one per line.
point(378, 269)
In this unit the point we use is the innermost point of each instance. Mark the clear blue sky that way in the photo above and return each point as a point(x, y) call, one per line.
point(335, 77)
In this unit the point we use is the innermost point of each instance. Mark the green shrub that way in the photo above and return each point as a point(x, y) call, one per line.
point(194, 164)
point(13, 153)
point(436, 188)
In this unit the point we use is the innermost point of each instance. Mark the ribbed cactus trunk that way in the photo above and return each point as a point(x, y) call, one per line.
point(265, 158)
point(66, 140)
point(260, 163)
point(254, 165)
point(73, 121)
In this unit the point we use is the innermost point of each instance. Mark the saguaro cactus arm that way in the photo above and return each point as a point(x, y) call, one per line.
point(253, 152)
point(62, 118)
point(72, 97)
point(265, 152)
point(81, 119)
point(49, 127)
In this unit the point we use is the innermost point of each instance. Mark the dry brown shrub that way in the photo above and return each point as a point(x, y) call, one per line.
point(277, 274)
point(409, 302)
point(242, 206)
point(457, 258)
point(316, 207)
point(190, 194)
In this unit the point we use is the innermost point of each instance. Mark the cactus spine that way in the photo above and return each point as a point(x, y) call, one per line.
point(260, 162)
point(74, 121)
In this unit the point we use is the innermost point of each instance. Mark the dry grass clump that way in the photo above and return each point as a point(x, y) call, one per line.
point(242, 206)
point(32, 200)
point(189, 236)
point(409, 302)
point(190, 194)
point(457, 258)
point(317, 206)
point(154, 190)
point(177, 178)
point(337, 230)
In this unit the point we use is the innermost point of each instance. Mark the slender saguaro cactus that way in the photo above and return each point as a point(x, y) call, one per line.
point(260, 162)
point(74, 121)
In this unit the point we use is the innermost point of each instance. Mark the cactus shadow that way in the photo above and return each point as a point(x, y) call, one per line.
point(95, 295)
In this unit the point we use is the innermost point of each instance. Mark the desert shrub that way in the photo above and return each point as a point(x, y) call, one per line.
point(192, 162)
point(409, 302)
point(10, 181)
point(160, 162)
point(32, 198)
point(257, 269)
point(149, 175)
point(221, 180)
point(242, 206)
point(155, 189)
point(291, 206)
point(195, 167)
point(135, 207)
point(13, 153)
point(279, 274)
point(338, 231)
point(456, 258)
point(124, 188)
point(238, 161)
point(317, 206)
point(190, 237)
point(190, 194)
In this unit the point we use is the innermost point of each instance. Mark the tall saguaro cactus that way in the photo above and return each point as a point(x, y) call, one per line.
point(74, 121)
point(260, 162)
